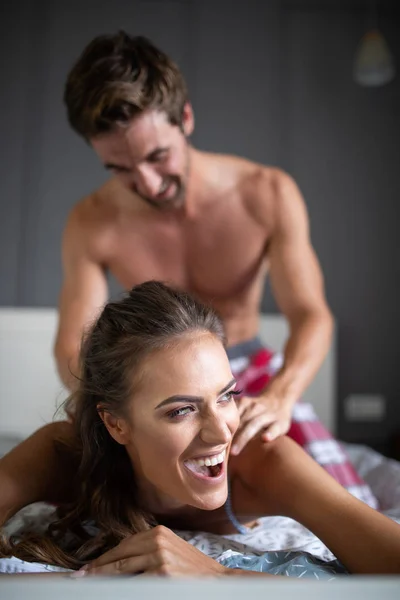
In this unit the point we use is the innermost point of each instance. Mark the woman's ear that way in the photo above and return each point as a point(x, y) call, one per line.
point(116, 426)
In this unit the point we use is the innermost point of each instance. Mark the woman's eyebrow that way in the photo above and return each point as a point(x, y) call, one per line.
point(178, 398)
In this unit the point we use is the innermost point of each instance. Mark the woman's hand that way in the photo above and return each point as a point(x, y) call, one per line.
point(155, 552)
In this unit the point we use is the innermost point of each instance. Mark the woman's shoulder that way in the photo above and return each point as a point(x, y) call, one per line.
point(260, 476)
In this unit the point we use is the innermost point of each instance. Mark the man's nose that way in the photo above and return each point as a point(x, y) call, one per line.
point(149, 182)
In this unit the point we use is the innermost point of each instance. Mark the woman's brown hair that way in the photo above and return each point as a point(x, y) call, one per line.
point(151, 317)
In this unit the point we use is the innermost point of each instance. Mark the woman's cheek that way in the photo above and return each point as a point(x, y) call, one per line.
point(172, 443)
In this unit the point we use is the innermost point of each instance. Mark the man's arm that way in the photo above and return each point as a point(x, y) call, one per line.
point(83, 294)
point(297, 284)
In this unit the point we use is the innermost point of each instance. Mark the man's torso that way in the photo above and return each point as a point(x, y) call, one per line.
point(216, 249)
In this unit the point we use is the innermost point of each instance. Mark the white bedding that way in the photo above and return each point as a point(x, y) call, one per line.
point(272, 533)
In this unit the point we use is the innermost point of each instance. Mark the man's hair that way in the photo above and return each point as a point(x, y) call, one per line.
point(118, 77)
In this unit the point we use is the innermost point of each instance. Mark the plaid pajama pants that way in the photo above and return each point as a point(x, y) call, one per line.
point(254, 366)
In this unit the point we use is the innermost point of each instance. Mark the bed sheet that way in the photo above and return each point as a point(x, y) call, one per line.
point(273, 534)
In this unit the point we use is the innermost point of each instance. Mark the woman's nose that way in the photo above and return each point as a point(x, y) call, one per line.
point(215, 430)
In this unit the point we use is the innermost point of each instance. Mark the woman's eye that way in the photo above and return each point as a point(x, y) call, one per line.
point(227, 397)
point(180, 412)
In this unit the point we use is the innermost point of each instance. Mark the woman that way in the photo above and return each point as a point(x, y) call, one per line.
point(155, 418)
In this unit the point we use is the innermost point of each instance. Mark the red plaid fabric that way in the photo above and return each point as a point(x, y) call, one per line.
point(253, 375)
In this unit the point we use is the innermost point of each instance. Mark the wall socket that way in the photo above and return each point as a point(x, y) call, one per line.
point(365, 407)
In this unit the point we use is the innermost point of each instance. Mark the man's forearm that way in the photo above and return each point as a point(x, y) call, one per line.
point(305, 350)
point(35, 471)
point(68, 368)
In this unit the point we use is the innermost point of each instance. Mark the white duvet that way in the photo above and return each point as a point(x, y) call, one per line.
point(272, 533)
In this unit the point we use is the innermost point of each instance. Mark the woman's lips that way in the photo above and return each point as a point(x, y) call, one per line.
point(201, 476)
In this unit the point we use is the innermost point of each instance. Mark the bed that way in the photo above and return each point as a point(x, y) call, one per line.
point(30, 393)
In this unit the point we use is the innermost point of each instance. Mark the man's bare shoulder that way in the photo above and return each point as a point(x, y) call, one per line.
point(265, 192)
point(99, 213)
point(233, 173)
point(91, 226)
point(251, 177)
point(97, 209)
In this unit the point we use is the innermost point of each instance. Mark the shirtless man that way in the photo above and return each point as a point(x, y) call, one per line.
point(210, 224)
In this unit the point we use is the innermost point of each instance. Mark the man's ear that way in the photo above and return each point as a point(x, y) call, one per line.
point(187, 119)
point(116, 426)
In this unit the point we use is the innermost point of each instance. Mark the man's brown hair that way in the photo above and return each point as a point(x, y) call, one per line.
point(116, 78)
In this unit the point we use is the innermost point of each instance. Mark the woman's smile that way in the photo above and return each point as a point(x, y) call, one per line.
point(210, 469)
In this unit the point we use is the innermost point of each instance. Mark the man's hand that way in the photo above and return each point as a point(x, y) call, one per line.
point(269, 415)
point(157, 552)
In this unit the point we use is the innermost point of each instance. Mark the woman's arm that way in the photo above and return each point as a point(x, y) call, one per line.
point(280, 478)
point(364, 540)
point(158, 551)
point(35, 470)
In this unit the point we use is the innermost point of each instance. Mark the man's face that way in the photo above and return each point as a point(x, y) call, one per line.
point(150, 157)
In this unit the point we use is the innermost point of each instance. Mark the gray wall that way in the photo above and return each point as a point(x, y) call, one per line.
point(270, 81)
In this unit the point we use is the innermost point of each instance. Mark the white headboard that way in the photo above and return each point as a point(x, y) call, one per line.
point(30, 390)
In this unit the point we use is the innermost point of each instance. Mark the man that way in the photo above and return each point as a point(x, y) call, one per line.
point(210, 224)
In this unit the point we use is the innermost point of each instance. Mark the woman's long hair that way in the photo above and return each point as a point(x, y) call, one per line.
point(150, 317)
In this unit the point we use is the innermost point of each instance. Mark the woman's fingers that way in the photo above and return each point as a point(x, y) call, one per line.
point(158, 551)
point(144, 543)
point(126, 566)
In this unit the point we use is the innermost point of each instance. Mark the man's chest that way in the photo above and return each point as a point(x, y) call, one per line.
point(213, 257)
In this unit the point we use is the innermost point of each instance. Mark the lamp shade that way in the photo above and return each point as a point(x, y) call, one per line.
point(373, 64)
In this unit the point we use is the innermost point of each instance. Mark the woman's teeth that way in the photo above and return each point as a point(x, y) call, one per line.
point(209, 461)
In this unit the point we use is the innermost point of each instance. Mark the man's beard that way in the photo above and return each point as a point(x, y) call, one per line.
point(179, 197)
point(175, 201)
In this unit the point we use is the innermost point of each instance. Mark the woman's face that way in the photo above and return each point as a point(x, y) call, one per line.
point(180, 425)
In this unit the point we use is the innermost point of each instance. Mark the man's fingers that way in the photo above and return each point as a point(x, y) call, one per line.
point(255, 413)
point(254, 418)
point(275, 430)
point(248, 430)
point(243, 405)
point(252, 411)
